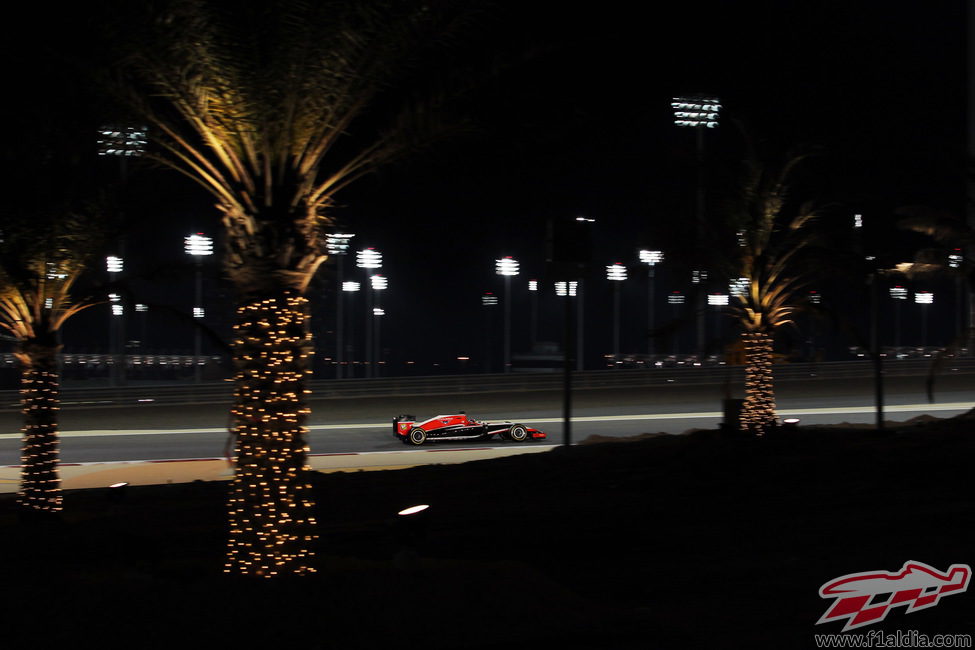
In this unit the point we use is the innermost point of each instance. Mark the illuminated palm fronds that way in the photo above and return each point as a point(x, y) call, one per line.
point(256, 103)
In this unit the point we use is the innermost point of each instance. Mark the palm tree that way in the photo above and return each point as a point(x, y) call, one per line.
point(256, 103)
point(771, 247)
point(40, 261)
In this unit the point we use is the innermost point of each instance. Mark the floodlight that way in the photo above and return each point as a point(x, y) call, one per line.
point(198, 244)
point(616, 272)
point(506, 266)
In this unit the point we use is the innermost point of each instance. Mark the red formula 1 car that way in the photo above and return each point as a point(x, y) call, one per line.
point(459, 427)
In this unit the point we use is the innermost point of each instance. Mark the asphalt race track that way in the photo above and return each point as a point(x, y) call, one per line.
point(151, 432)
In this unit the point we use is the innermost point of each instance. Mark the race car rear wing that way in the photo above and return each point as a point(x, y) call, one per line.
point(402, 418)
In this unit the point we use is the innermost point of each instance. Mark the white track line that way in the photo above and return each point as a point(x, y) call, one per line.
point(827, 410)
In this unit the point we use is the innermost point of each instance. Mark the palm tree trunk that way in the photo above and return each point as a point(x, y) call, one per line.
point(270, 507)
point(758, 412)
point(40, 484)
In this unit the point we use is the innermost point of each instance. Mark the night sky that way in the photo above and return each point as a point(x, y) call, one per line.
point(578, 122)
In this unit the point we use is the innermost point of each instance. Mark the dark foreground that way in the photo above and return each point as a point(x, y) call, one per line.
point(667, 542)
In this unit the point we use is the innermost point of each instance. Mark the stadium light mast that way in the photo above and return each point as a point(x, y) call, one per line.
point(651, 259)
point(122, 142)
point(924, 298)
point(675, 299)
point(717, 300)
point(350, 288)
point(507, 267)
point(698, 112)
point(898, 293)
point(368, 259)
point(533, 291)
point(197, 246)
point(616, 273)
point(488, 301)
point(114, 265)
point(337, 246)
point(378, 283)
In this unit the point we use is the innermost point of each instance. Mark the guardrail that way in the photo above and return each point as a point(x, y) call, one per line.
point(458, 384)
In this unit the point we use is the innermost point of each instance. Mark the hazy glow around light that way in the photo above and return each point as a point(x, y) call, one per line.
point(696, 111)
point(379, 282)
point(506, 266)
point(413, 510)
point(616, 272)
point(198, 244)
point(739, 287)
point(121, 141)
point(717, 299)
point(651, 257)
point(114, 264)
point(378, 311)
point(198, 312)
point(117, 310)
point(369, 258)
point(350, 286)
point(560, 289)
point(337, 243)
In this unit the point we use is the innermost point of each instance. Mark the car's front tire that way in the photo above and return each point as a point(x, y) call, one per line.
point(417, 437)
point(518, 433)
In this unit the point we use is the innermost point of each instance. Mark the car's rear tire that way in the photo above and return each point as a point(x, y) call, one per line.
point(417, 437)
point(518, 433)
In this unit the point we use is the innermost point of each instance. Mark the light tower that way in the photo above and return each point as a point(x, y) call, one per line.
point(651, 259)
point(899, 294)
point(114, 265)
point(368, 259)
point(925, 299)
point(122, 142)
point(350, 288)
point(378, 283)
point(337, 246)
point(489, 301)
point(675, 299)
point(717, 300)
point(197, 246)
point(507, 267)
point(616, 273)
point(699, 112)
point(533, 291)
